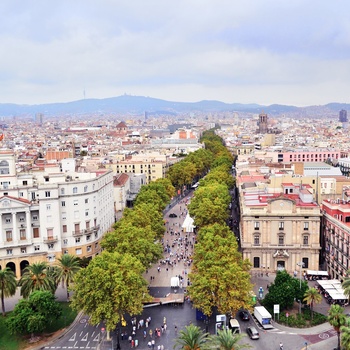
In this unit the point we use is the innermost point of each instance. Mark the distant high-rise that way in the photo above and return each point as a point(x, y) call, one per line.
point(343, 116)
point(39, 118)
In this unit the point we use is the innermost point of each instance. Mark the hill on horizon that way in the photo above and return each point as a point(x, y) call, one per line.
point(141, 104)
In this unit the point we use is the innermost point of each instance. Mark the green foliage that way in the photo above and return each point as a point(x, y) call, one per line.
point(337, 319)
point(284, 291)
point(190, 338)
point(226, 340)
point(33, 314)
point(220, 278)
point(136, 241)
point(311, 297)
point(345, 334)
point(68, 265)
point(8, 286)
point(37, 276)
point(109, 287)
point(346, 285)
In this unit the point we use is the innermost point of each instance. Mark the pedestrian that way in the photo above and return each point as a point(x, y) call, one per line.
point(153, 343)
point(149, 344)
point(281, 346)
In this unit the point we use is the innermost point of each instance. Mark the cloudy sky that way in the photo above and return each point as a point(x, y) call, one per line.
point(293, 52)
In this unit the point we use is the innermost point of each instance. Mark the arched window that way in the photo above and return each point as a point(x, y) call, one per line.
point(4, 167)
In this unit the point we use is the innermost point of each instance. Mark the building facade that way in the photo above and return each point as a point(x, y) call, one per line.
point(336, 236)
point(280, 230)
point(46, 214)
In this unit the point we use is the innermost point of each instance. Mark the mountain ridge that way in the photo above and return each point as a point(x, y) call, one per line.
point(141, 104)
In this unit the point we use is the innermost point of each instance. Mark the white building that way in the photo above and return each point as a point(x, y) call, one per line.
point(47, 213)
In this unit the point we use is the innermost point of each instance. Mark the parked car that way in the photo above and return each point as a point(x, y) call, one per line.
point(244, 315)
point(253, 333)
point(172, 215)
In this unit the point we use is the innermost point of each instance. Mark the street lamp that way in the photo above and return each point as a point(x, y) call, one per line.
point(301, 265)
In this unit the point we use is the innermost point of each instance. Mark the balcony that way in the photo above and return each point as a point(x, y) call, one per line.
point(51, 239)
point(86, 231)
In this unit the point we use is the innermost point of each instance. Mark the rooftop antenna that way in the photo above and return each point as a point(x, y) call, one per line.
point(84, 93)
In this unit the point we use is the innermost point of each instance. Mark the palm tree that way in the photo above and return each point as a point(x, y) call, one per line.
point(37, 276)
point(346, 285)
point(345, 336)
point(226, 340)
point(8, 285)
point(336, 318)
point(311, 297)
point(68, 265)
point(191, 338)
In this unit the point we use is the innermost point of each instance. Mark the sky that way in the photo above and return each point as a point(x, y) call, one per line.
point(292, 52)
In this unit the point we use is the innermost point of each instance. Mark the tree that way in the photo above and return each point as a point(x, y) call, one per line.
point(8, 285)
point(346, 285)
point(284, 291)
point(219, 276)
point(137, 241)
point(32, 315)
point(37, 276)
point(110, 286)
point(67, 267)
point(345, 337)
point(336, 318)
point(191, 338)
point(311, 297)
point(226, 340)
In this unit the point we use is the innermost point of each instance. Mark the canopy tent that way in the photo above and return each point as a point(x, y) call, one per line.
point(188, 224)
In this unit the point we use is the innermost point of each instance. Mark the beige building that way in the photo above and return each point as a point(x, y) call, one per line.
point(280, 230)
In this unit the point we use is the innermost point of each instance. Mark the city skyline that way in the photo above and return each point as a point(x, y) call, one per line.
point(253, 52)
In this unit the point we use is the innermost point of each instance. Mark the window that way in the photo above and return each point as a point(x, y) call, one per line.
point(86, 213)
point(78, 251)
point(280, 239)
point(88, 237)
point(75, 189)
point(77, 240)
point(281, 225)
point(64, 216)
point(88, 248)
point(65, 241)
point(36, 232)
point(86, 200)
point(256, 262)
point(96, 245)
point(47, 194)
point(64, 228)
point(85, 188)
point(8, 236)
point(51, 245)
point(21, 219)
point(256, 225)
point(36, 248)
point(25, 183)
point(62, 190)
point(306, 240)
point(306, 226)
point(65, 251)
point(48, 206)
point(35, 218)
point(22, 234)
point(23, 250)
point(21, 194)
point(8, 220)
point(256, 240)
point(75, 203)
point(8, 251)
point(305, 263)
point(63, 203)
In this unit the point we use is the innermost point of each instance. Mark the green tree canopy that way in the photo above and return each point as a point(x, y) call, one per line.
point(182, 173)
point(337, 319)
point(190, 338)
point(137, 241)
point(68, 265)
point(151, 196)
point(8, 286)
point(220, 278)
point(226, 340)
point(284, 291)
point(37, 276)
point(345, 334)
point(109, 287)
point(32, 315)
point(311, 297)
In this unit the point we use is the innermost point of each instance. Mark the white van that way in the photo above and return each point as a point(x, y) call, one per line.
point(234, 326)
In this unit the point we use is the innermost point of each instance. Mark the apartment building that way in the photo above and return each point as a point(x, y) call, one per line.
point(44, 214)
point(336, 235)
point(279, 230)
